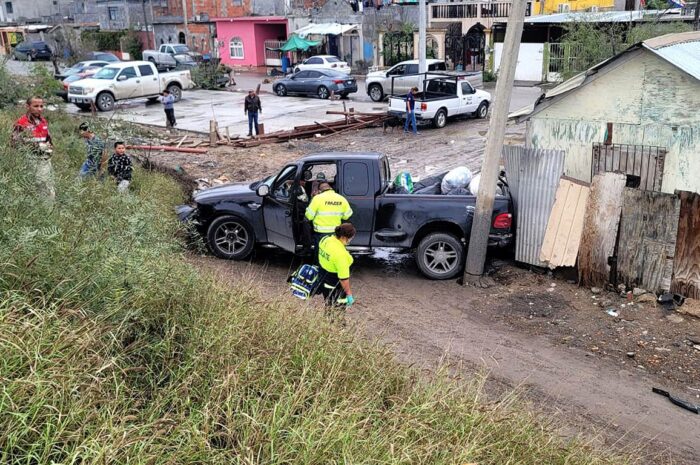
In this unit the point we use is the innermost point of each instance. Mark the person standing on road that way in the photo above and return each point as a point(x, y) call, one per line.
point(168, 101)
point(252, 106)
point(335, 262)
point(95, 149)
point(327, 211)
point(120, 168)
point(411, 110)
point(31, 131)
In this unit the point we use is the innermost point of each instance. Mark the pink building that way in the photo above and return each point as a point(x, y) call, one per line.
point(242, 40)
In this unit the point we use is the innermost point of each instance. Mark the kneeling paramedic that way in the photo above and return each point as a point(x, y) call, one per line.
point(326, 211)
point(335, 262)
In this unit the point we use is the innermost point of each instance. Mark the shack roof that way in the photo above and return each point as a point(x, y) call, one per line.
point(682, 50)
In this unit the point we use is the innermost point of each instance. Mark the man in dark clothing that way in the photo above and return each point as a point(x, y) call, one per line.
point(95, 148)
point(411, 111)
point(119, 167)
point(252, 106)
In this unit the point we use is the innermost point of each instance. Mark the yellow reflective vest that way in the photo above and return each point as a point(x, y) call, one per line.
point(334, 257)
point(328, 210)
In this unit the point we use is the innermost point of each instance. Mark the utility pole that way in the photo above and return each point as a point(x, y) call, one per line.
point(145, 21)
point(478, 241)
point(696, 21)
point(422, 65)
point(184, 18)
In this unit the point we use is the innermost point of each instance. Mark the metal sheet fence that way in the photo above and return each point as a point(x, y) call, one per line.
point(533, 175)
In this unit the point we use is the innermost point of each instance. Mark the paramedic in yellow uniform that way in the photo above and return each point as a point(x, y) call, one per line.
point(326, 211)
point(335, 262)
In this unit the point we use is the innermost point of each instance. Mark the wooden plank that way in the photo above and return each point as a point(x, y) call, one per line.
point(179, 144)
point(647, 245)
point(565, 226)
point(600, 228)
point(686, 272)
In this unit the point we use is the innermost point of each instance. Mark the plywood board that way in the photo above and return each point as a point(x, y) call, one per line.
point(647, 244)
point(686, 271)
point(563, 235)
point(600, 228)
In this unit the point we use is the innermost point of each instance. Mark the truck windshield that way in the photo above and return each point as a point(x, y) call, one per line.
point(181, 49)
point(106, 73)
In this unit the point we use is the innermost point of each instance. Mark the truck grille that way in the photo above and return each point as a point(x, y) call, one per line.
point(75, 90)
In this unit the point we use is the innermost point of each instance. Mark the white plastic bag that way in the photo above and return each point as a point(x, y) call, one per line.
point(474, 184)
point(455, 179)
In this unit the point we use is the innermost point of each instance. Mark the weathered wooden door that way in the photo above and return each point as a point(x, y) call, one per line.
point(643, 163)
point(647, 243)
point(686, 271)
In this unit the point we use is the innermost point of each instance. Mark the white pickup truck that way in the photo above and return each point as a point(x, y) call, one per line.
point(126, 80)
point(442, 98)
point(169, 55)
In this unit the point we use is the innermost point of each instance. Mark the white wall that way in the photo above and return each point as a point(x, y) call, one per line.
point(530, 61)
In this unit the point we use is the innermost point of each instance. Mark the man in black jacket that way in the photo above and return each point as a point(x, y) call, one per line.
point(251, 107)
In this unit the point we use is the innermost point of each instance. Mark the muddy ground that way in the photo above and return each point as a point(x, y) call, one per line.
point(532, 331)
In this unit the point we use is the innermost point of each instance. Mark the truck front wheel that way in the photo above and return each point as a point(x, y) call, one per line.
point(231, 238)
point(105, 102)
point(440, 256)
point(482, 111)
point(440, 118)
point(376, 93)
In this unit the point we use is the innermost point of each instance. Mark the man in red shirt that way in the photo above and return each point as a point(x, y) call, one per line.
point(31, 132)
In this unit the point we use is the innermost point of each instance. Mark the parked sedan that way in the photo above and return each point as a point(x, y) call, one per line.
point(323, 62)
point(101, 56)
point(31, 51)
point(317, 82)
point(80, 67)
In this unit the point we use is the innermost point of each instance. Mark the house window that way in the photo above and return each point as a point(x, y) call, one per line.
point(112, 10)
point(8, 8)
point(237, 2)
point(236, 48)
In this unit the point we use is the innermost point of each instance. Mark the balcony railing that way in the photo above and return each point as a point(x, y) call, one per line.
point(474, 9)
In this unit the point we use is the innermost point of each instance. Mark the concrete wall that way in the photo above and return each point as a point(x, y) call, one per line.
point(649, 102)
point(530, 61)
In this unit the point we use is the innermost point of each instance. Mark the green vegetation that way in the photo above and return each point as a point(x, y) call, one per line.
point(113, 349)
point(586, 44)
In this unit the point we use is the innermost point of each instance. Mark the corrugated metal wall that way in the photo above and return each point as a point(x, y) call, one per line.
point(533, 175)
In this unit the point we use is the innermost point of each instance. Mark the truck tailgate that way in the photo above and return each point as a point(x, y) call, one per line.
point(397, 105)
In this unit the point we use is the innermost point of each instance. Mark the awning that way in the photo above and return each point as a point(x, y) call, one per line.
point(325, 28)
point(295, 44)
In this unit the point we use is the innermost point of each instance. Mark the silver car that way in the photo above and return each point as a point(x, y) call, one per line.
point(319, 82)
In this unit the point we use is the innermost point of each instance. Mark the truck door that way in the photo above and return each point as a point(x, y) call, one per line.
point(278, 210)
point(467, 99)
point(128, 84)
point(357, 181)
point(149, 80)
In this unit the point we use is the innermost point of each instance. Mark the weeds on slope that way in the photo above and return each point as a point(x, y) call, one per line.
point(114, 350)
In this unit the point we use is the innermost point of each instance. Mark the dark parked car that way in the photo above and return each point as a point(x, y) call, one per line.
point(31, 51)
point(234, 218)
point(320, 82)
point(80, 67)
point(101, 56)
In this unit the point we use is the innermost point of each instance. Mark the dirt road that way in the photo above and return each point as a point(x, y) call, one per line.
point(600, 394)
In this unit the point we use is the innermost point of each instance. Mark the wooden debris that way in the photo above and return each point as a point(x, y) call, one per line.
point(686, 271)
point(166, 148)
point(179, 144)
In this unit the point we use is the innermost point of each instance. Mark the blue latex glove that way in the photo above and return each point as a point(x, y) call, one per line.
point(349, 300)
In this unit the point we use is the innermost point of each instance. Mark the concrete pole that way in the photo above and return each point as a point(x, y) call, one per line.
point(422, 65)
point(481, 225)
point(184, 18)
point(696, 20)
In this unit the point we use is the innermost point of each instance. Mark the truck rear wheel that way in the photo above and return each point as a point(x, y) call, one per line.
point(230, 237)
point(440, 118)
point(175, 91)
point(440, 256)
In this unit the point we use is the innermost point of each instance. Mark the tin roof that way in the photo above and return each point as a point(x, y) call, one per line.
point(682, 50)
point(606, 16)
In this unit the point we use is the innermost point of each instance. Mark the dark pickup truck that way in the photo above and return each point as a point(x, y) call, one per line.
point(235, 218)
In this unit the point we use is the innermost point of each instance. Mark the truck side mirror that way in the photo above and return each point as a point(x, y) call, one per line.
point(263, 190)
point(122, 78)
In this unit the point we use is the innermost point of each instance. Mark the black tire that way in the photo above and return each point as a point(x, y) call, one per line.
point(376, 93)
point(83, 106)
point(440, 118)
point(440, 256)
point(231, 238)
point(323, 92)
point(175, 91)
point(344, 95)
point(152, 99)
point(482, 111)
point(104, 101)
point(296, 70)
point(281, 90)
point(152, 60)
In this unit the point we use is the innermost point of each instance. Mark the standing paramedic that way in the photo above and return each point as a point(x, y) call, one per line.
point(168, 101)
point(326, 211)
point(252, 106)
point(31, 131)
point(411, 110)
point(335, 262)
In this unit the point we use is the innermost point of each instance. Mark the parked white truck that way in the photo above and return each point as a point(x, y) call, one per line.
point(169, 55)
point(127, 80)
point(444, 97)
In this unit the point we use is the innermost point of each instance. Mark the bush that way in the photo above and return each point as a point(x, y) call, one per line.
point(133, 46)
point(12, 91)
point(104, 40)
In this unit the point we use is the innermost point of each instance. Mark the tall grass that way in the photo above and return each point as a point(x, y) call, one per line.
point(114, 350)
